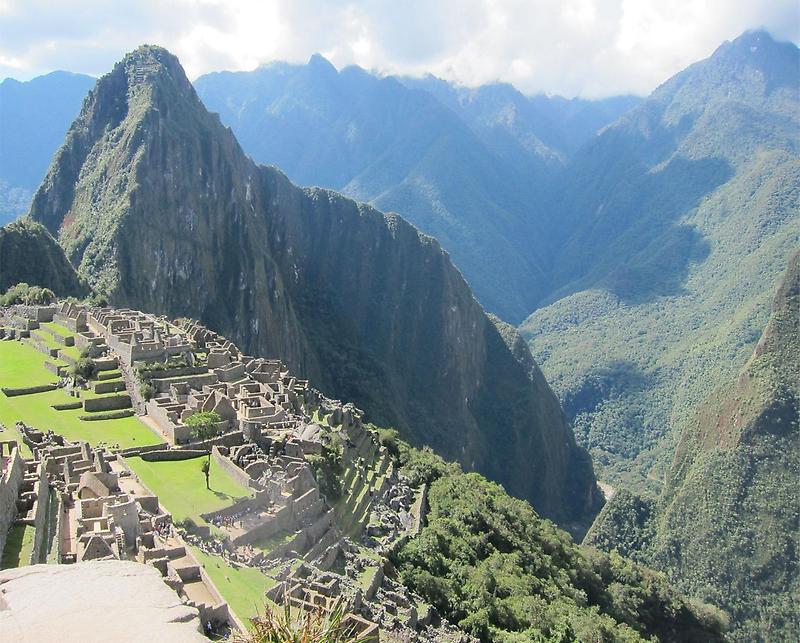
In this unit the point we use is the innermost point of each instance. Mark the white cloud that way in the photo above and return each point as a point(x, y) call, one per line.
point(570, 47)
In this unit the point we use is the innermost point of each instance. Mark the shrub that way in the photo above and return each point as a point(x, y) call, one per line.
point(203, 424)
point(146, 390)
point(286, 626)
point(22, 293)
point(328, 470)
point(84, 368)
point(389, 438)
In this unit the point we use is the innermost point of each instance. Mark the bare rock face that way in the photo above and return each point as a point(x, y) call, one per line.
point(101, 601)
point(157, 206)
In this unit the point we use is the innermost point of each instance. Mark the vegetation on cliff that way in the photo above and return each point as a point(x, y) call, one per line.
point(490, 564)
point(727, 527)
point(31, 256)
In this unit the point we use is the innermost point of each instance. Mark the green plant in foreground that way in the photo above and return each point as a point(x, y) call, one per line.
point(299, 626)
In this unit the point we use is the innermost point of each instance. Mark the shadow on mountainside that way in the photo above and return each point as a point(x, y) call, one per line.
point(635, 243)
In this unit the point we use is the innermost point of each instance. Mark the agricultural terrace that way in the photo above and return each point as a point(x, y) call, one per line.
point(21, 365)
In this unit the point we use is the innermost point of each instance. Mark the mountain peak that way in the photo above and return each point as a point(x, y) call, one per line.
point(319, 63)
point(777, 60)
point(147, 63)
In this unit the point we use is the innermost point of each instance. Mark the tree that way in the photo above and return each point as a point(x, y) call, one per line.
point(22, 293)
point(203, 425)
point(205, 467)
point(84, 368)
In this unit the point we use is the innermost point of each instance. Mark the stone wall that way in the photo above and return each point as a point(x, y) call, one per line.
point(161, 385)
point(235, 472)
point(55, 369)
point(138, 451)
point(109, 386)
point(166, 455)
point(177, 372)
point(43, 388)
point(40, 516)
point(110, 403)
point(10, 482)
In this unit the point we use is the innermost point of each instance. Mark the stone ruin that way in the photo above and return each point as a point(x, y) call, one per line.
point(320, 552)
point(103, 512)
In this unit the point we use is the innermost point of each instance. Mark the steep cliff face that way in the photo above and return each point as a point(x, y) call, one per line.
point(28, 253)
point(157, 207)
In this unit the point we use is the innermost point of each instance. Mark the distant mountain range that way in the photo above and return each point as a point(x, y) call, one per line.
point(34, 117)
point(467, 166)
point(670, 231)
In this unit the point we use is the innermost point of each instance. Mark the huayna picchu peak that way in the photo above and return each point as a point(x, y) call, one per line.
point(158, 208)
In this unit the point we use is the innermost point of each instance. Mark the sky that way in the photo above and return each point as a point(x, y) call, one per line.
point(588, 48)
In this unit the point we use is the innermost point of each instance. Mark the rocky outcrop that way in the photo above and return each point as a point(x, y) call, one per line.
point(117, 601)
point(159, 209)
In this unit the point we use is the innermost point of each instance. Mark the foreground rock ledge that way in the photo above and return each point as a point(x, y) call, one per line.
point(93, 601)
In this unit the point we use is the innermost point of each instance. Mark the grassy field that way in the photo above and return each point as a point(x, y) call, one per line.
point(22, 365)
point(181, 486)
point(61, 330)
point(19, 547)
point(242, 588)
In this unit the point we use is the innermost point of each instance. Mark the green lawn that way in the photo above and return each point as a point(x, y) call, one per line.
point(242, 588)
point(181, 486)
point(19, 547)
point(51, 342)
point(22, 365)
point(46, 338)
point(61, 330)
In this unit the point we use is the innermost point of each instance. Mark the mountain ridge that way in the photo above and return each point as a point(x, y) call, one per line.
point(690, 211)
point(472, 178)
point(168, 214)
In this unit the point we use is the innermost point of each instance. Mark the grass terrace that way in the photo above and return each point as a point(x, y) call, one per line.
point(58, 328)
point(22, 365)
point(181, 486)
point(19, 546)
point(242, 588)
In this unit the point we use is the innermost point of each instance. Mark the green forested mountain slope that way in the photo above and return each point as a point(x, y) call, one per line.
point(490, 564)
point(34, 116)
point(29, 254)
point(158, 208)
point(727, 526)
point(672, 229)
